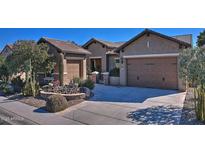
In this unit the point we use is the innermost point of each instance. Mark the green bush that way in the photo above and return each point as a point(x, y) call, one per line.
point(6, 88)
point(18, 84)
point(77, 81)
point(115, 72)
point(88, 83)
point(192, 70)
point(56, 103)
point(4, 72)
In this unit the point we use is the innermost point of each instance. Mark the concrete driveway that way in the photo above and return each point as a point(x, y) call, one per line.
point(113, 105)
point(127, 94)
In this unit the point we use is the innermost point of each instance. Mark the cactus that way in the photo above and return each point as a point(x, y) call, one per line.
point(61, 68)
point(199, 100)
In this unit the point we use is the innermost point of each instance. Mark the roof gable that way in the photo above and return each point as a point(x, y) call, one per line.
point(7, 46)
point(10, 46)
point(65, 46)
point(148, 31)
point(103, 42)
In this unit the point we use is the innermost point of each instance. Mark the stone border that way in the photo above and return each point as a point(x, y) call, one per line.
point(76, 96)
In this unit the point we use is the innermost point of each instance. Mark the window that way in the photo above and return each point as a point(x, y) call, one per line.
point(117, 62)
point(95, 65)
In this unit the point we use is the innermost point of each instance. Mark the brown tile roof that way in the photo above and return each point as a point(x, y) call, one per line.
point(111, 44)
point(106, 43)
point(65, 46)
point(10, 46)
point(146, 31)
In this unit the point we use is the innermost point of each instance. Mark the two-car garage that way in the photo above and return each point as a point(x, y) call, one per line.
point(154, 72)
point(150, 59)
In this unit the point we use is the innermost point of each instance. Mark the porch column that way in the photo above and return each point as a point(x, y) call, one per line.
point(84, 69)
point(65, 78)
point(123, 72)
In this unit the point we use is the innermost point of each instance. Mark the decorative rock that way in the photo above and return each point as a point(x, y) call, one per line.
point(56, 103)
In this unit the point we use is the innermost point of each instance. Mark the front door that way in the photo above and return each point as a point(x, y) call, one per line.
point(96, 65)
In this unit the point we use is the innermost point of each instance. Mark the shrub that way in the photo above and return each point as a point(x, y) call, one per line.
point(4, 72)
point(115, 72)
point(77, 81)
point(88, 83)
point(6, 88)
point(192, 70)
point(55, 83)
point(17, 83)
point(56, 103)
point(66, 89)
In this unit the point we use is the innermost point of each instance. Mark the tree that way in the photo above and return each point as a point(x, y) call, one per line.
point(1, 60)
point(192, 69)
point(30, 58)
point(201, 39)
point(61, 68)
point(4, 74)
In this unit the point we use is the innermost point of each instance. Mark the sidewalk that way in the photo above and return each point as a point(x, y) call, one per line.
point(30, 115)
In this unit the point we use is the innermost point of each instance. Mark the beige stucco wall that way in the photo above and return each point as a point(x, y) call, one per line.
point(147, 45)
point(97, 50)
point(157, 45)
point(123, 71)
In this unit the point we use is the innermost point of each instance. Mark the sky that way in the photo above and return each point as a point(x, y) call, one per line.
point(82, 35)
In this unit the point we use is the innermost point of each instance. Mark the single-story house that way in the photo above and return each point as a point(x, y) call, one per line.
point(74, 58)
point(7, 50)
point(149, 59)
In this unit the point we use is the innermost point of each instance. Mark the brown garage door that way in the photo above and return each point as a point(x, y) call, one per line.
point(152, 72)
point(74, 69)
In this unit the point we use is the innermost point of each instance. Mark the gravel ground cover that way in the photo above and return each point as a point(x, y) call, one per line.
point(188, 113)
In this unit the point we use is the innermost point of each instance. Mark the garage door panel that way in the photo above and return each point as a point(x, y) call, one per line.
point(152, 72)
point(73, 69)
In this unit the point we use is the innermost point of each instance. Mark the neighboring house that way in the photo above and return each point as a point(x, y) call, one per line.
point(7, 50)
point(150, 59)
point(74, 63)
point(102, 59)
point(185, 38)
